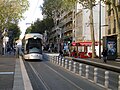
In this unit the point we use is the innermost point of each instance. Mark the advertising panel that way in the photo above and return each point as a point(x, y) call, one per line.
point(110, 43)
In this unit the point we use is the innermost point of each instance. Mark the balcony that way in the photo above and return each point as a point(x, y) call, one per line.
point(66, 30)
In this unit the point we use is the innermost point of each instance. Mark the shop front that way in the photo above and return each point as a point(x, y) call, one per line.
point(81, 49)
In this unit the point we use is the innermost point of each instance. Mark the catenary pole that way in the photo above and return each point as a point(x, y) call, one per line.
point(100, 29)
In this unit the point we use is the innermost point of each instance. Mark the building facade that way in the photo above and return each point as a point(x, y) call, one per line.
point(74, 26)
point(111, 22)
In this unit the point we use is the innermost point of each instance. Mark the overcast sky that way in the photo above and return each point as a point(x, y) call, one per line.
point(31, 15)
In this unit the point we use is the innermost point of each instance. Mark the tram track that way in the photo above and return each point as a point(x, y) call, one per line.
point(49, 77)
point(40, 78)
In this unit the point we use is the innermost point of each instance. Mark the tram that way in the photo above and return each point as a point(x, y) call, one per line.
point(32, 44)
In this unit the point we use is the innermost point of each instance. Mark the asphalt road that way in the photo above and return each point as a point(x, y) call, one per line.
point(47, 76)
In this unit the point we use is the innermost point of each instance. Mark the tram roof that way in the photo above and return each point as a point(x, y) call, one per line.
point(31, 35)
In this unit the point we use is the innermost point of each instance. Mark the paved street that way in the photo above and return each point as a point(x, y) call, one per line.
point(7, 71)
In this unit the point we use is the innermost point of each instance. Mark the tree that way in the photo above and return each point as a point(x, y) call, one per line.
point(67, 5)
point(13, 33)
point(11, 11)
point(49, 6)
point(28, 30)
point(40, 26)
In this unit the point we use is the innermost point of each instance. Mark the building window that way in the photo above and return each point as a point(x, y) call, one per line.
point(114, 29)
point(109, 31)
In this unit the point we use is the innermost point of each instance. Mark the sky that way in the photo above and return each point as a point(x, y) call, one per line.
point(31, 15)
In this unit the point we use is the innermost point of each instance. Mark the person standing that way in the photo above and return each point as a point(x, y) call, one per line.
point(104, 53)
point(60, 53)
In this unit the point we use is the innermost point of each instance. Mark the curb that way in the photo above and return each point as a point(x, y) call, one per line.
point(96, 64)
point(21, 79)
point(18, 80)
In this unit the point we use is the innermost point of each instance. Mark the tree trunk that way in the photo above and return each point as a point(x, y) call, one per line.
point(1, 46)
point(92, 31)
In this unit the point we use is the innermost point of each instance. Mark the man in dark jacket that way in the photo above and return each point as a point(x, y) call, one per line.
point(104, 53)
point(61, 53)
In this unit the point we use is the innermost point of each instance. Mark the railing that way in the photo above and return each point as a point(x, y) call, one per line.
point(103, 77)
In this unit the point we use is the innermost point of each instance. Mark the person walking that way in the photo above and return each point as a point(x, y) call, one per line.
point(60, 53)
point(104, 53)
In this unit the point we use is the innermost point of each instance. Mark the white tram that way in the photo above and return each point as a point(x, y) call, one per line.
point(32, 44)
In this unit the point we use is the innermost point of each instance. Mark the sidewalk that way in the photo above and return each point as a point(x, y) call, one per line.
point(109, 62)
point(7, 71)
point(97, 60)
point(13, 75)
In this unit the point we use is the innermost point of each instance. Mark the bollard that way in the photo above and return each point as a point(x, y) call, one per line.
point(95, 74)
point(80, 69)
point(119, 83)
point(66, 63)
point(106, 79)
point(55, 59)
point(59, 61)
point(74, 67)
point(87, 70)
point(70, 65)
point(50, 58)
point(62, 62)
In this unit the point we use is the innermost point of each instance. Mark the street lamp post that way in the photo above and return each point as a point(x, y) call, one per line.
point(100, 29)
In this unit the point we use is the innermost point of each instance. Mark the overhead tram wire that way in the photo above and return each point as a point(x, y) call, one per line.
point(35, 9)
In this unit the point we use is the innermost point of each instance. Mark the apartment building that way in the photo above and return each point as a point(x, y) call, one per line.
point(111, 22)
point(74, 26)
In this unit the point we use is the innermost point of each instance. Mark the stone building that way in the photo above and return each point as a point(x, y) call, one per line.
point(111, 29)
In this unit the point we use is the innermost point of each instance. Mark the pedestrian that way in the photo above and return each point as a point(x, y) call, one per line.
point(60, 53)
point(104, 53)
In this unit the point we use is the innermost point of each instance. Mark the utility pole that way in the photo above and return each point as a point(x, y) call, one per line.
point(100, 29)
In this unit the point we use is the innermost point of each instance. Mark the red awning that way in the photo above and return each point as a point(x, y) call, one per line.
point(87, 43)
point(73, 43)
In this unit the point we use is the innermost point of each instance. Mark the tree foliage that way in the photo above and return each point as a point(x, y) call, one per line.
point(14, 31)
point(11, 11)
point(41, 25)
point(51, 5)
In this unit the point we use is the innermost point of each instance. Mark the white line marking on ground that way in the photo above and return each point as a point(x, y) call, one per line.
point(1, 73)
